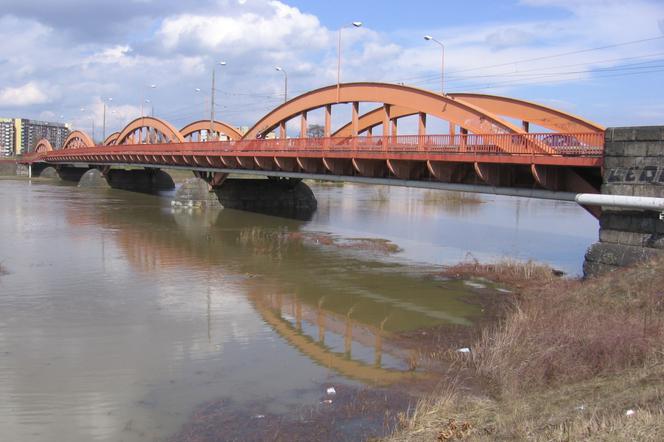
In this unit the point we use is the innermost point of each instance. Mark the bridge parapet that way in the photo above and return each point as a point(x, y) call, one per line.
point(633, 166)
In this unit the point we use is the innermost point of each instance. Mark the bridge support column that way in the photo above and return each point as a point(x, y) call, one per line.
point(633, 166)
point(196, 192)
point(68, 173)
point(140, 180)
point(279, 197)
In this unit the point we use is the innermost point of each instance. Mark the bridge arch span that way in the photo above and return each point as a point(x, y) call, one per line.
point(527, 111)
point(422, 101)
point(111, 139)
point(43, 146)
point(219, 127)
point(77, 140)
point(149, 130)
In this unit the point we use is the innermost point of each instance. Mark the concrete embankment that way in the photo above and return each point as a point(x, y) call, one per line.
point(633, 166)
point(7, 168)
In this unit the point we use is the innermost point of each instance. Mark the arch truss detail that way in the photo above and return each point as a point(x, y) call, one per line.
point(77, 140)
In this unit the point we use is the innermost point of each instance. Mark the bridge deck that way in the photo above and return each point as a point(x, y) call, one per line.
point(579, 150)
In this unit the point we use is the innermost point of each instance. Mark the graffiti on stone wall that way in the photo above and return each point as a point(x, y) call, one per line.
point(636, 175)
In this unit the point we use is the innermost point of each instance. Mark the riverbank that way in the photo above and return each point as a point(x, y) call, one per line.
point(570, 360)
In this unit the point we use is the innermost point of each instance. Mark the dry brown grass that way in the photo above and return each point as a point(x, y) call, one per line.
point(591, 410)
point(444, 196)
point(565, 363)
point(570, 331)
point(516, 274)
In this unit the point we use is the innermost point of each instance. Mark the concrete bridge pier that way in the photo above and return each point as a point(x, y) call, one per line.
point(138, 180)
point(68, 173)
point(633, 166)
point(289, 198)
point(285, 197)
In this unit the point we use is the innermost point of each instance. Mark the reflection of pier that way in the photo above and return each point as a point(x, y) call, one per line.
point(273, 310)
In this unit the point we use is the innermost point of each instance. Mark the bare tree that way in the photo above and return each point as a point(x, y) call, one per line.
point(316, 131)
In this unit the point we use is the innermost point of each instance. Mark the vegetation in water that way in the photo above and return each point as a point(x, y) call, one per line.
point(571, 360)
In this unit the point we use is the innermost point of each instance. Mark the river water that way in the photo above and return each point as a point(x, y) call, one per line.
point(120, 315)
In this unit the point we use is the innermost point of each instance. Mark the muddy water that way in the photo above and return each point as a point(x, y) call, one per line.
point(119, 316)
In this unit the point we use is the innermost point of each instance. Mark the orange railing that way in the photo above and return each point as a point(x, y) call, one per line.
point(546, 144)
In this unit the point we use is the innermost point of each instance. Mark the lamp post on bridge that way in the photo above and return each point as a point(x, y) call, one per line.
point(356, 24)
point(282, 70)
point(103, 130)
point(442, 62)
point(221, 63)
point(93, 125)
point(143, 99)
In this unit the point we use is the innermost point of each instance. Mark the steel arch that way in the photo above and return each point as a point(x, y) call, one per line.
point(149, 130)
point(544, 116)
point(548, 117)
point(43, 146)
point(463, 114)
point(373, 119)
point(77, 140)
point(111, 139)
point(219, 127)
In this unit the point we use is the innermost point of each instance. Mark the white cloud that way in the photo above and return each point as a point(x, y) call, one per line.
point(176, 49)
point(26, 95)
point(279, 27)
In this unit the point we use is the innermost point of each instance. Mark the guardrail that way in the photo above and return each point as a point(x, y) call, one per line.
point(546, 144)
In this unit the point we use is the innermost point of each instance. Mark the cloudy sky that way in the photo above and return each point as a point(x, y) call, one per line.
point(602, 59)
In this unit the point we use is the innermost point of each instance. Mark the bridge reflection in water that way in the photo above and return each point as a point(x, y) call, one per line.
point(335, 307)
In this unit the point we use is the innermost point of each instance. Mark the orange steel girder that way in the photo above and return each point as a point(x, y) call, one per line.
point(218, 127)
point(111, 139)
point(43, 146)
point(170, 133)
point(466, 115)
point(76, 140)
point(526, 111)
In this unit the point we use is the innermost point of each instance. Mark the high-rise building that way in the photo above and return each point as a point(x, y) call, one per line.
point(31, 131)
point(21, 135)
point(7, 137)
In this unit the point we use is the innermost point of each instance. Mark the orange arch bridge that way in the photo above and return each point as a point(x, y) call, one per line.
point(483, 144)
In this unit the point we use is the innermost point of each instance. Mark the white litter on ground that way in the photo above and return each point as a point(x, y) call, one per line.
point(475, 285)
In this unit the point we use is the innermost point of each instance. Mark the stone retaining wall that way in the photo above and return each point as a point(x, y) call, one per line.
point(7, 168)
point(633, 166)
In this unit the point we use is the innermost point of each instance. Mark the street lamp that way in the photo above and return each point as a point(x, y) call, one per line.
point(280, 69)
point(103, 130)
point(221, 63)
point(144, 100)
point(356, 24)
point(92, 120)
point(147, 101)
point(442, 62)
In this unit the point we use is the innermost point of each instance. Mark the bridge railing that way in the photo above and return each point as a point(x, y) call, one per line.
point(547, 144)
point(587, 144)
